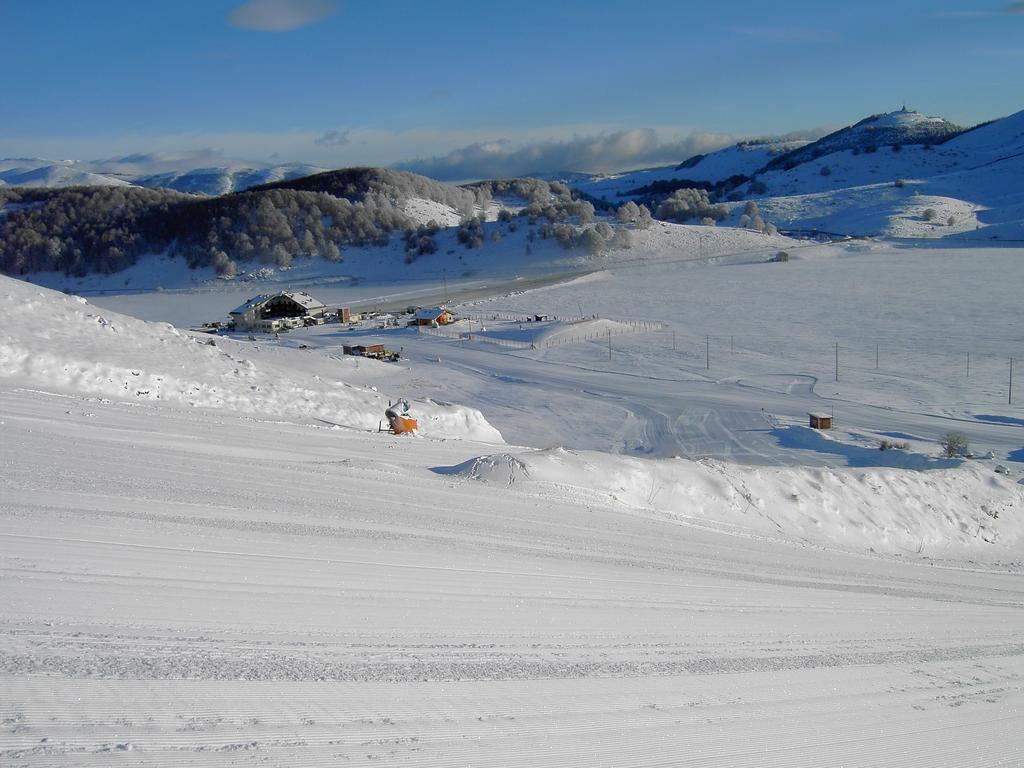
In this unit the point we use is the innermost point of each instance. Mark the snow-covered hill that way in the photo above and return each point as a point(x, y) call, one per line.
point(224, 179)
point(32, 172)
point(885, 130)
point(946, 181)
point(64, 344)
point(155, 171)
point(741, 159)
point(971, 183)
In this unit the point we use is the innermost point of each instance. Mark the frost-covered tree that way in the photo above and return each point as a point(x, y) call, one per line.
point(224, 266)
point(627, 213)
point(623, 238)
point(592, 241)
point(585, 211)
point(644, 218)
point(685, 204)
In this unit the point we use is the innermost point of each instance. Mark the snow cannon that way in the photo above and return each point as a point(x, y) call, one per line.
point(399, 420)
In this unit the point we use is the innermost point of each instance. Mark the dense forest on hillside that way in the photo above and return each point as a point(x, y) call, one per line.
point(80, 230)
point(105, 229)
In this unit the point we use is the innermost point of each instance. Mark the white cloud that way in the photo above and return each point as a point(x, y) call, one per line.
point(450, 153)
point(280, 15)
point(605, 152)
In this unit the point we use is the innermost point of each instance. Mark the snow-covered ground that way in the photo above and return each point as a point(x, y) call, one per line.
point(187, 586)
point(211, 555)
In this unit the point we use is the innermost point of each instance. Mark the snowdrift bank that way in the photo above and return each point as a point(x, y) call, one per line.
point(63, 343)
point(887, 510)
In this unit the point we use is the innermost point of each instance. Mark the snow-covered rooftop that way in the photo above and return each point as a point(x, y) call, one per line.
point(299, 297)
point(430, 314)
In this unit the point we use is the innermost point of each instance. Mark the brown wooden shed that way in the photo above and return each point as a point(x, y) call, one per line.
point(820, 420)
point(363, 349)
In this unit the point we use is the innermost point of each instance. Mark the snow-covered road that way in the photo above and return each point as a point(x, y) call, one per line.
point(202, 588)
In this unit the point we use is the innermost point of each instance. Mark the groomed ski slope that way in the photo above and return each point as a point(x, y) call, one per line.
point(192, 588)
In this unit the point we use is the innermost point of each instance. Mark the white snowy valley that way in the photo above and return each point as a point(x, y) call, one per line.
point(211, 556)
point(614, 539)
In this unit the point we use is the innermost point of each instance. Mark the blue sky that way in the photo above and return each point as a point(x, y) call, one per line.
point(344, 83)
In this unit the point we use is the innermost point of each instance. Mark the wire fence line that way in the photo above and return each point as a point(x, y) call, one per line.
point(960, 365)
point(961, 357)
point(844, 361)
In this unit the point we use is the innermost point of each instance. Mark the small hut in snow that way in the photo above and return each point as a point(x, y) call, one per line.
point(434, 316)
point(820, 420)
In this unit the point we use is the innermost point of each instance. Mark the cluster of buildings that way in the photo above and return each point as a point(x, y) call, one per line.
point(275, 312)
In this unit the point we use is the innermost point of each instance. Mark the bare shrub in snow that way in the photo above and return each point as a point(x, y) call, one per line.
point(471, 232)
point(930, 214)
point(892, 445)
point(953, 444)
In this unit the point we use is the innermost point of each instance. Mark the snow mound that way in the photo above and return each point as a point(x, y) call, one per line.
point(62, 343)
point(882, 509)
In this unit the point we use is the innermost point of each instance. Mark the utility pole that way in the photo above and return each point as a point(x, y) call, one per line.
point(1009, 397)
point(707, 352)
point(673, 340)
point(444, 273)
point(968, 365)
point(837, 361)
point(609, 344)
